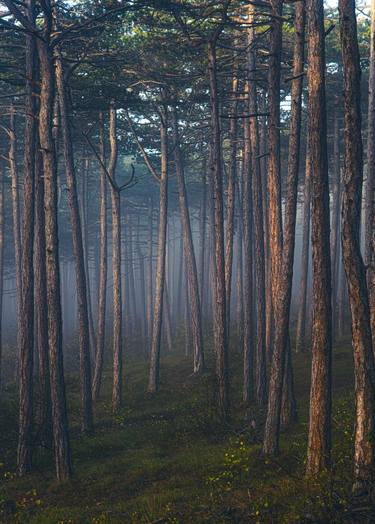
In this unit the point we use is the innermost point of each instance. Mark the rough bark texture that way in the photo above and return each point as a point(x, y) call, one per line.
point(260, 375)
point(352, 258)
point(59, 412)
point(220, 331)
point(370, 183)
point(116, 266)
point(319, 441)
point(83, 315)
point(26, 319)
point(271, 433)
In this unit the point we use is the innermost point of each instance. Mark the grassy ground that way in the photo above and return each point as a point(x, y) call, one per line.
point(167, 458)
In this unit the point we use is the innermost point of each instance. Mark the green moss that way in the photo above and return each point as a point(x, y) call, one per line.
point(167, 458)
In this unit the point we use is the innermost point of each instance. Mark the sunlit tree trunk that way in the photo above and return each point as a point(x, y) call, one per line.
point(319, 440)
point(352, 258)
point(271, 434)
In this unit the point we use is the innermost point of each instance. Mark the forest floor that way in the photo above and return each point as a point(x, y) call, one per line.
point(168, 459)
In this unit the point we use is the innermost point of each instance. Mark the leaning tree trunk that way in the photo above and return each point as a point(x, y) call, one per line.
point(154, 373)
point(354, 267)
point(26, 310)
point(319, 441)
point(59, 411)
point(84, 334)
point(103, 270)
point(190, 261)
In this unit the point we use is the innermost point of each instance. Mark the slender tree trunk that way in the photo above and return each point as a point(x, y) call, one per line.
point(103, 270)
point(260, 375)
point(82, 291)
point(231, 196)
point(26, 320)
point(370, 184)
point(335, 219)
point(280, 374)
point(271, 434)
point(220, 321)
point(2, 242)
point(301, 320)
point(43, 414)
point(190, 261)
point(59, 412)
point(202, 239)
point(149, 276)
point(116, 265)
point(248, 334)
point(319, 441)
point(154, 374)
point(352, 258)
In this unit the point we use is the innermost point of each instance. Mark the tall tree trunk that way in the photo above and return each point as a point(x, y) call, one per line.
point(335, 218)
point(239, 270)
point(59, 412)
point(154, 374)
point(271, 434)
point(81, 282)
point(220, 322)
point(352, 258)
point(301, 320)
point(260, 375)
point(43, 414)
point(103, 265)
point(319, 441)
point(370, 184)
point(280, 374)
point(2, 242)
point(231, 196)
point(26, 320)
point(149, 275)
point(116, 265)
point(248, 335)
point(190, 261)
point(202, 239)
